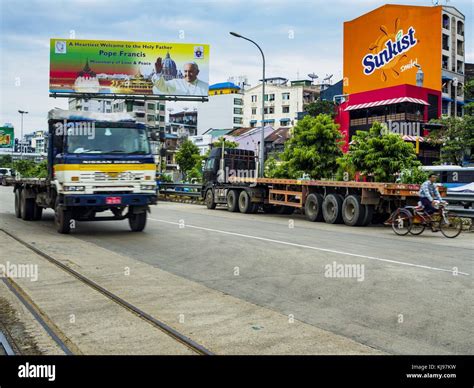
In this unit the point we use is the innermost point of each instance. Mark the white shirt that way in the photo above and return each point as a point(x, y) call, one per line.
point(179, 86)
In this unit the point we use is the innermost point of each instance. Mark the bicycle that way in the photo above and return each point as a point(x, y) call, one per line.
point(414, 220)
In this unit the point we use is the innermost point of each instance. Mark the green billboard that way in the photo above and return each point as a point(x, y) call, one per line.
point(7, 137)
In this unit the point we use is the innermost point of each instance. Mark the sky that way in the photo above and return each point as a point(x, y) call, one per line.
point(298, 38)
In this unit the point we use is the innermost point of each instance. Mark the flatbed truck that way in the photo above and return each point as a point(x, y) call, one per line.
point(231, 181)
point(96, 163)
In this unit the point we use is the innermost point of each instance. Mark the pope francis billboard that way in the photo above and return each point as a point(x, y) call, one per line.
point(132, 68)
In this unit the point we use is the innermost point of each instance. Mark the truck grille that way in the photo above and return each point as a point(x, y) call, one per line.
point(111, 176)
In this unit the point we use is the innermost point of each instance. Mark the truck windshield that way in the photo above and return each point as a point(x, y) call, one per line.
point(109, 140)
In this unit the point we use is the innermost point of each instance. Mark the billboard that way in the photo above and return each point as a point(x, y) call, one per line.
point(132, 68)
point(7, 137)
point(384, 48)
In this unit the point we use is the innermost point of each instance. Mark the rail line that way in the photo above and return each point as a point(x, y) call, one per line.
point(183, 339)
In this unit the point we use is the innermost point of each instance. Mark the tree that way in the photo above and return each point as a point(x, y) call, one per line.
point(379, 154)
point(6, 161)
point(469, 97)
point(455, 136)
point(227, 143)
point(30, 169)
point(321, 107)
point(312, 150)
point(187, 157)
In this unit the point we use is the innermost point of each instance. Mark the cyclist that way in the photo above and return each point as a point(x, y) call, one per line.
point(429, 194)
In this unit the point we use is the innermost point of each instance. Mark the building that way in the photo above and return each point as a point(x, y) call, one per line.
point(403, 66)
point(204, 142)
point(224, 109)
point(149, 112)
point(248, 138)
point(285, 102)
point(183, 123)
point(275, 141)
point(39, 142)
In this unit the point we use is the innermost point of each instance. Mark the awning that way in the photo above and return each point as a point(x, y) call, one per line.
point(460, 103)
point(447, 99)
point(446, 78)
point(253, 121)
point(413, 138)
point(285, 119)
point(387, 102)
point(269, 121)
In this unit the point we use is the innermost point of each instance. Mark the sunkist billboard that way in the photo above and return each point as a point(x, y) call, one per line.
point(132, 68)
point(383, 47)
point(7, 137)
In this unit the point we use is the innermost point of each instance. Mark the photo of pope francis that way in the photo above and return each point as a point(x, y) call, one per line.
point(189, 85)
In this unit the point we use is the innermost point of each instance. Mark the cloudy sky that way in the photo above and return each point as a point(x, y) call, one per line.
point(298, 37)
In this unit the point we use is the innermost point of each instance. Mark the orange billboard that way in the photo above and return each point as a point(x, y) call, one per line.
point(386, 47)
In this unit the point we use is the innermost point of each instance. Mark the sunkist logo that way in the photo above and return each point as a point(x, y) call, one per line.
point(389, 50)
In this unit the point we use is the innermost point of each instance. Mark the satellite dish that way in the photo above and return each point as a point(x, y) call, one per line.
point(312, 76)
point(435, 2)
point(328, 77)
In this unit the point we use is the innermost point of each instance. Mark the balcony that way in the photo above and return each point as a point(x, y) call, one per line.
point(385, 118)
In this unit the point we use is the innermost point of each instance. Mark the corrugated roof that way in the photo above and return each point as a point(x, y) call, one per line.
point(224, 85)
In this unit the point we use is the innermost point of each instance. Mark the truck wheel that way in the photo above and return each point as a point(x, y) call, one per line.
point(369, 213)
point(62, 219)
point(245, 205)
point(27, 207)
point(210, 199)
point(353, 212)
point(37, 212)
point(18, 203)
point(233, 201)
point(313, 207)
point(332, 209)
point(137, 221)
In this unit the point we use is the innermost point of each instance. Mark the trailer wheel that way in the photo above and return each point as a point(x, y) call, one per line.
point(209, 199)
point(313, 207)
point(369, 213)
point(18, 203)
point(137, 221)
point(353, 212)
point(62, 219)
point(332, 209)
point(233, 201)
point(37, 212)
point(27, 207)
point(245, 204)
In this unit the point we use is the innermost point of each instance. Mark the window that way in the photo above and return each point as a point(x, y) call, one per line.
point(162, 119)
point(445, 42)
point(108, 111)
point(86, 108)
point(285, 109)
point(162, 107)
point(285, 96)
point(150, 117)
point(269, 110)
point(446, 22)
point(269, 97)
point(445, 62)
point(460, 28)
point(254, 111)
point(151, 106)
point(238, 111)
point(460, 47)
point(460, 67)
point(254, 98)
point(237, 120)
point(239, 101)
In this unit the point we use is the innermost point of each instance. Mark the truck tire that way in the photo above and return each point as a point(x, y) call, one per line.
point(245, 204)
point(353, 212)
point(209, 199)
point(137, 221)
point(18, 203)
point(62, 220)
point(369, 213)
point(37, 212)
point(27, 207)
point(233, 201)
point(332, 209)
point(313, 207)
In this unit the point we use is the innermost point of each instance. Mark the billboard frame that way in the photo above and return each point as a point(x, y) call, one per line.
point(111, 96)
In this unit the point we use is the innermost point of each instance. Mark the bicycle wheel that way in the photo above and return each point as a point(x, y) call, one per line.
point(417, 228)
point(402, 222)
point(452, 228)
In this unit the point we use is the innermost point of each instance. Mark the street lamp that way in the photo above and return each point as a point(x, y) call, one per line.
point(262, 138)
point(22, 112)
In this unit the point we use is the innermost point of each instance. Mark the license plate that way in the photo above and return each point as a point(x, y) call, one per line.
point(113, 200)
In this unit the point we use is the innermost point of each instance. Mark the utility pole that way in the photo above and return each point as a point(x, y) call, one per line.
point(22, 112)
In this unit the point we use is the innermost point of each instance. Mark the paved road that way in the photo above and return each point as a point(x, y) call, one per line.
point(406, 300)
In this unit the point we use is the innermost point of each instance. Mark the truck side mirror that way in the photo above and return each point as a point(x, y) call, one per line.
point(153, 136)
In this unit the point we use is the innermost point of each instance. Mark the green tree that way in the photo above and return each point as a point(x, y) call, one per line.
point(30, 169)
point(187, 157)
point(469, 97)
point(379, 155)
point(455, 137)
point(313, 149)
point(414, 175)
point(6, 161)
point(227, 143)
point(321, 107)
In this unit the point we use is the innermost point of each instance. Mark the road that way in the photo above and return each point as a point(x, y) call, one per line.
point(413, 295)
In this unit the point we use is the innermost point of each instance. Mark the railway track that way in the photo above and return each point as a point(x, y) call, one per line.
point(57, 335)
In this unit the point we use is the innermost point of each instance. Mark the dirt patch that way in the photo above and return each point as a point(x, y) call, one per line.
point(21, 341)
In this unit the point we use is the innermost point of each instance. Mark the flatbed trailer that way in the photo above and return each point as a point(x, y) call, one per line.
point(349, 202)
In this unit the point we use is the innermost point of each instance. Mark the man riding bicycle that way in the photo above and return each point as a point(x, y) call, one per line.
point(429, 194)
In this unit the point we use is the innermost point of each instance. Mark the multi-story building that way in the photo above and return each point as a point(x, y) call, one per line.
point(403, 66)
point(149, 112)
point(183, 123)
point(39, 142)
point(224, 108)
point(285, 102)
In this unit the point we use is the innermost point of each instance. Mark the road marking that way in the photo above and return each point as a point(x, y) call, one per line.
point(310, 247)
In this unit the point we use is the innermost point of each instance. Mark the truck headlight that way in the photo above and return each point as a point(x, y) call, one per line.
point(147, 187)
